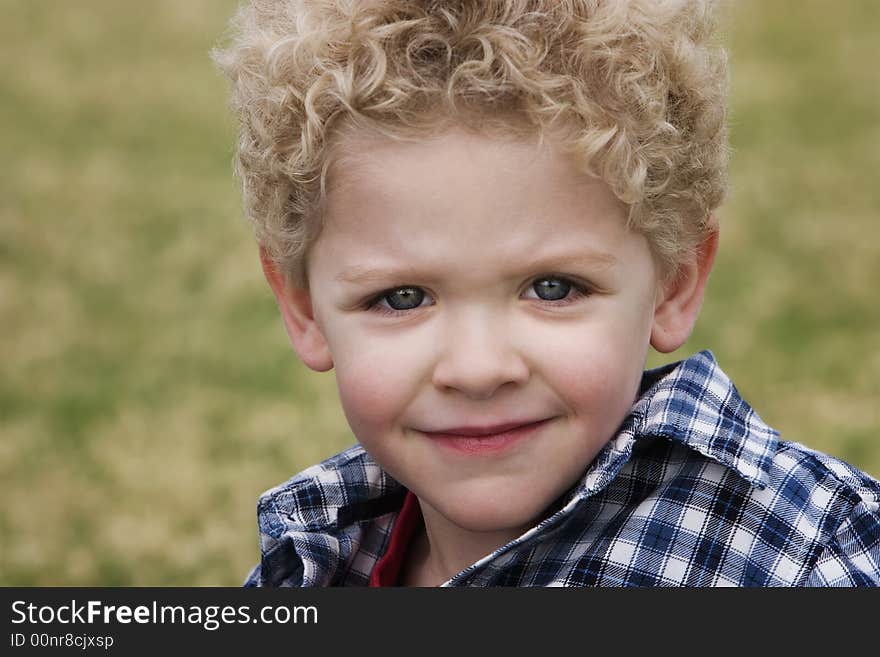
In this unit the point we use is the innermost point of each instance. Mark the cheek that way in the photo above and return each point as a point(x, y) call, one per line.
point(594, 384)
point(598, 369)
point(374, 392)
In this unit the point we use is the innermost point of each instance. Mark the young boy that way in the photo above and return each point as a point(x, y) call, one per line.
point(481, 215)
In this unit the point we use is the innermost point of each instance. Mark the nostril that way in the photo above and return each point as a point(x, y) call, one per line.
point(480, 377)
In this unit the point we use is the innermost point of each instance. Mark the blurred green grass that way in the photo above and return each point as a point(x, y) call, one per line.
point(148, 394)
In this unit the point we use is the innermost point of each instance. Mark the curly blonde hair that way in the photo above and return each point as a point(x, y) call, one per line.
point(637, 89)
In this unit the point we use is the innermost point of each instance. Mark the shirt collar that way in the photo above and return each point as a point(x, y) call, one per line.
point(695, 403)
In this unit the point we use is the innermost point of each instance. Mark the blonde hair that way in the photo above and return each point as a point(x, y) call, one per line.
point(637, 86)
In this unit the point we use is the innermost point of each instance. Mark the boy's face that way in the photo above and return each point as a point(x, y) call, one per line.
point(465, 283)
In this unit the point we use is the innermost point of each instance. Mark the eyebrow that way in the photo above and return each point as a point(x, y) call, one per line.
point(366, 274)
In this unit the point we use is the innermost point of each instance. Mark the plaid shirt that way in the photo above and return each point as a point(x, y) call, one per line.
point(693, 490)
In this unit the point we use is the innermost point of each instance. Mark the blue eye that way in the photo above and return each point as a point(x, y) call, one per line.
point(552, 289)
point(558, 289)
point(405, 298)
point(398, 300)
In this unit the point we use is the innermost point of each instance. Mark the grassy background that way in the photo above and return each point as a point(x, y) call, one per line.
point(147, 391)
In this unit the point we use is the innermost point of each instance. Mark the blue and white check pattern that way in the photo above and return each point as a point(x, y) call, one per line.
point(694, 490)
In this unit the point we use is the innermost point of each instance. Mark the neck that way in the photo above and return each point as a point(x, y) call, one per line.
point(441, 549)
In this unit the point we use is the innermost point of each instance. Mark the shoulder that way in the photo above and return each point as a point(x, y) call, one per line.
point(831, 472)
point(788, 509)
point(821, 517)
point(809, 520)
point(314, 497)
point(696, 404)
point(326, 525)
point(819, 492)
point(338, 468)
point(845, 502)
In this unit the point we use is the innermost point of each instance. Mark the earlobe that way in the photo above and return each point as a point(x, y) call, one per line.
point(295, 305)
point(682, 297)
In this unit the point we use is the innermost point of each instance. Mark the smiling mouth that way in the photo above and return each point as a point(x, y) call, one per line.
point(489, 440)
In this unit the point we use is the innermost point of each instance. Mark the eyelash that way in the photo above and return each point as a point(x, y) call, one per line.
point(578, 291)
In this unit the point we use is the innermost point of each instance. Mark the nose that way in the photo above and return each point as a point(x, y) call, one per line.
point(477, 357)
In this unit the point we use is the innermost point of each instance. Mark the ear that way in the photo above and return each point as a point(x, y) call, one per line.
point(682, 296)
point(295, 305)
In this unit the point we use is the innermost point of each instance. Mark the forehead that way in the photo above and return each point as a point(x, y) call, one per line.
point(463, 197)
point(459, 168)
point(359, 151)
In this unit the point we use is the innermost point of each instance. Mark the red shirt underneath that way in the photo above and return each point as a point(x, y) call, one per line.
point(386, 572)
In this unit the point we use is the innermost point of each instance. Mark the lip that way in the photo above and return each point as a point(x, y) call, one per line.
point(485, 440)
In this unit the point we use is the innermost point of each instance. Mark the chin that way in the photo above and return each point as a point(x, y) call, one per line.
point(509, 516)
